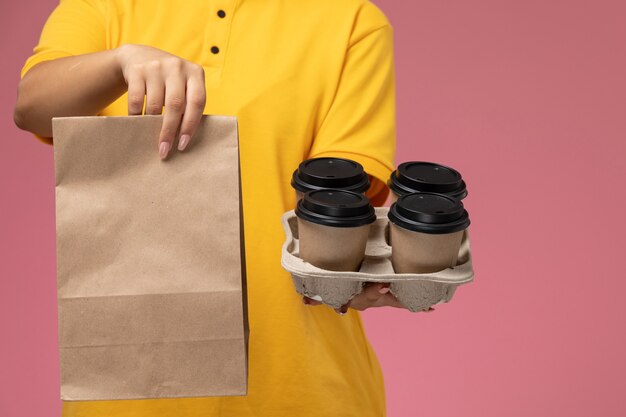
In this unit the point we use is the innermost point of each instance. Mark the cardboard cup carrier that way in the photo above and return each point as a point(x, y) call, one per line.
point(431, 253)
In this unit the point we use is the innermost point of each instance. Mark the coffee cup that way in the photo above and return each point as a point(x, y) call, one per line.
point(417, 176)
point(329, 173)
point(426, 230)
point(333, 227)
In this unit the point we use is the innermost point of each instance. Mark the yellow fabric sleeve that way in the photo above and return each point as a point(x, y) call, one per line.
point(75, 27)
point(360, 124)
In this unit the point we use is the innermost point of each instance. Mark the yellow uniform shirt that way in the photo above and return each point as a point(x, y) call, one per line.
point(306, 78)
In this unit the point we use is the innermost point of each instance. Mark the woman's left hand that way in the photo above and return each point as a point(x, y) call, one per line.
point(373, 295)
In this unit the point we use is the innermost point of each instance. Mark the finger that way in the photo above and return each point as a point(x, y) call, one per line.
point(342, 310)
point(372, 297)
point(174, 106)
point(366, 298)
point(155, 94)
point(196, 100)
point(136, 93)
point(372, 291)
point(389, 300)
point(309, 301)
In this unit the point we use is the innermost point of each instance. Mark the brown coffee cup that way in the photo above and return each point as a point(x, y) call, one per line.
point(333, 227)
point(426, 230)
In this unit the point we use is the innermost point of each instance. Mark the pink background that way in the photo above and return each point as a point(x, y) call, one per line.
point(528, 100)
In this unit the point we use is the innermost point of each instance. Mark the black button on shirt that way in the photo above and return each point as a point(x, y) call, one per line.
point(215, 49)
point(221, 13)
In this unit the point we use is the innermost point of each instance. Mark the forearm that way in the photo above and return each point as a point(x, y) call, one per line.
point(80, 85)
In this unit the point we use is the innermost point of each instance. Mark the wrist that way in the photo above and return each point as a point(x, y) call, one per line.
point(120, 57)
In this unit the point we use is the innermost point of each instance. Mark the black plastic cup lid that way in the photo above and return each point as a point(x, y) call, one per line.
point(336, 173)
point(429, 213)
point(337, 208)
point(411, 177)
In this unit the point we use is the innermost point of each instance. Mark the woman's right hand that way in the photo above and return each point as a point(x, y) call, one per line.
point(166, 80)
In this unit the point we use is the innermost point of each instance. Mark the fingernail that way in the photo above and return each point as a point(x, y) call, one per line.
point(384, 290)
point(182, 143)
point(164, 148)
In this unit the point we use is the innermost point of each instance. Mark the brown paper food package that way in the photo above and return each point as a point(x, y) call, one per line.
point(150, 265)
point(416, 292)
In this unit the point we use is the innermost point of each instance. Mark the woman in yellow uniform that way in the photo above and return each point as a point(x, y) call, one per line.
point(305, 78)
